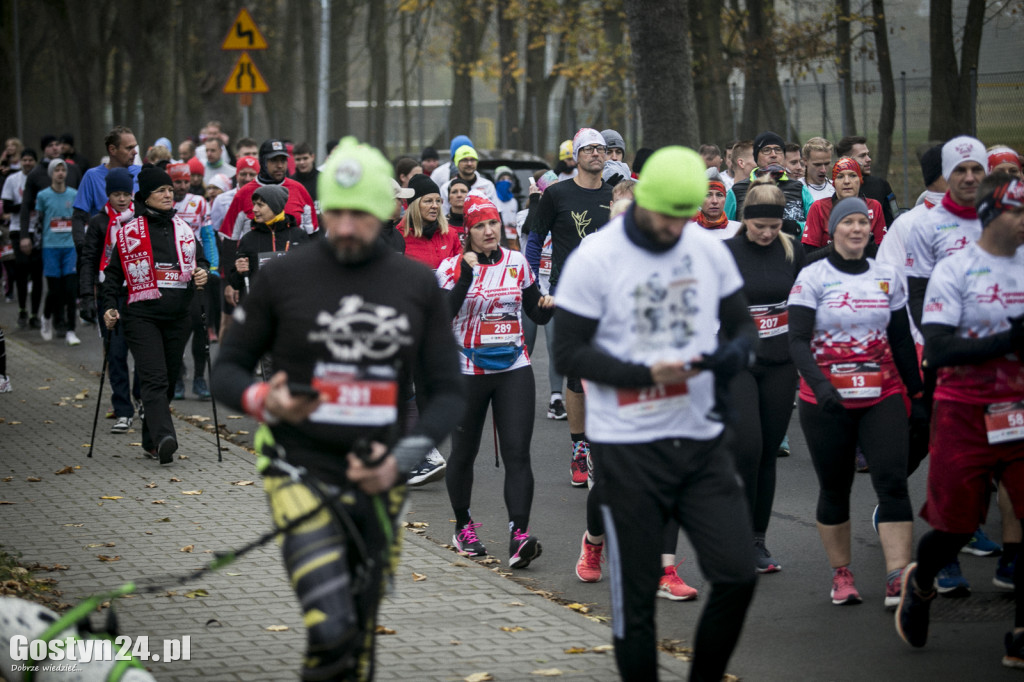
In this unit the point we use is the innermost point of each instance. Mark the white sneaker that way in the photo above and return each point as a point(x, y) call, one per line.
point(5, 383)
point(46, 329)
point(72, 339)
point(435, 458)
point(121, 425)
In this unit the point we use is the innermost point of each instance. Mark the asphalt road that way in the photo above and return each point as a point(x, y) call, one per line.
point(793, 632)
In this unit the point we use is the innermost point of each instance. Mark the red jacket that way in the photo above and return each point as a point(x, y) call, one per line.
point(816, 229)
point(431, 251)
point(299, 206)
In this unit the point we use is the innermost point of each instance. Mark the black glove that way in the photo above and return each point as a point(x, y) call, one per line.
point(1017, 335)
point(828, 398)
point(87, 309)
point(729, 359)
point(615, 179)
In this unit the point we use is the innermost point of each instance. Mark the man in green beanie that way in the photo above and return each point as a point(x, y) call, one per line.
point(639, 304)
point(346, 322)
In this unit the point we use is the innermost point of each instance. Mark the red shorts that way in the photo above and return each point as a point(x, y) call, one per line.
point(963, 466)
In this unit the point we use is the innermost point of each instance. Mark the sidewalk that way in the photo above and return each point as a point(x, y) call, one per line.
point(447, 624)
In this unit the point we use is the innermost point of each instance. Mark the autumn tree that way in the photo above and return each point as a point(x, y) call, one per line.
point(952, 95)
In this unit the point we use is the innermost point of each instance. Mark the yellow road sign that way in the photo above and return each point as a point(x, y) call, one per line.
point(245, 78)
point(244, 35)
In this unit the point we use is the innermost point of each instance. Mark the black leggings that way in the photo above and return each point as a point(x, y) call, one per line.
point(29, 267)
point(762, 402)
point(881, 431)
point(512, 394)
point(61, 293)
point(595, 520)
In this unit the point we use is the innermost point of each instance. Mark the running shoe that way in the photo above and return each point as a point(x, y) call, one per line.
point(874, 519)
point(671, 586)
point(22, 319)
point(843, 590)
point(912, 610)
point(5, 383)
point(522, 549)
point(981, 545)
point(200, 388)
point(140, 409)
point(556, 408)
point(46, 329)
point(466, 542)
point(578, 467)
point(166, 449)
point(179, 389)
point(588, 566)
point(892, 592)
point(34, 322)
point(784, 447)
point(431, 468)
point(950, 582)
point(862, 462)
point(1004, 574)
point(121, 425)
point(72, 339)
point(1014, 657)
point(765, 562)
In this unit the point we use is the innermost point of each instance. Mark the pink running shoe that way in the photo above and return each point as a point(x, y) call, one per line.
point(843, 590)
point(588, 566)
point(672, 587)
point(578, 468)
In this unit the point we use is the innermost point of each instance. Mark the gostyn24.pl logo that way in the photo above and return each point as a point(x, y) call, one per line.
point(39, 651)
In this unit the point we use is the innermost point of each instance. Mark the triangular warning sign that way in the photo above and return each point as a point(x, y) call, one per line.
point(244, 35)
point(245, 78)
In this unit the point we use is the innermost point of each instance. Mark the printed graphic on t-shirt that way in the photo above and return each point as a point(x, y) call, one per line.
point(361, 331)
point(664, 309)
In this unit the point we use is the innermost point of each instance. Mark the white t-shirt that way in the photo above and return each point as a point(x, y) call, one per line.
point(650, 307)
point(824, 192)
point(219, 209)
point(481, 186)
point(893, 251)
point(492, 314)
point(937, 235)
point(977, 293)
point(14, 187)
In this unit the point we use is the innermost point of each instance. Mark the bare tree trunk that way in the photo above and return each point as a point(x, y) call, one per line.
point(615, 100)
point(310, 60)
point(470, 23)
point(711, 72)
point(887, 115)
point(763, 108)
point(844, 68)
point(951, 87)
point(403, 70)
point(342, 19)
point(538, 82)
point(508, 88)
point(661, 43)
point(377, 41)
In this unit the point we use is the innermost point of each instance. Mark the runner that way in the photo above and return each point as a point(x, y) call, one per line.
point(761, 396)
point(55, 205)
point(846, 178)
point(712, 212)
point(850, 339)
point(489, 290)
point(162, 263)
point(274, 233)
point(378, 317)
point(639, 303)
point(974, 336)
point(28, 260)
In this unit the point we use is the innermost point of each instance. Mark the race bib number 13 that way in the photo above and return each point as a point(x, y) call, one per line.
point(857, 379)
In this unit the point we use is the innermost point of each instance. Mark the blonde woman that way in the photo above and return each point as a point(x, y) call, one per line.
point(428, 238)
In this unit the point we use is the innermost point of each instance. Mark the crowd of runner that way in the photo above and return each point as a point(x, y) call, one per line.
point(690, 302)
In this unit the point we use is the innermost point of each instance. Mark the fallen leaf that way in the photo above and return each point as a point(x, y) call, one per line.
point(166, 519)
point(151, 485)
point(603, 648)
point(33, 479)
point(242, 433)
point(66, 470)
point(158, 502)
point(44, 388)
point(489, 560)
point(515, 603)
point(47, 421)
point(74, 525)
point(104, 557)
point(187, 548)
point(579, 607)
point(381, 630)
point(478, 677)
point(730, 678)
point(81, 396)
point(512, 628)
point(135, 445)
point(6, 502)
point(197, 593)
point(13, 423)
point(170, 593)
point(460, 564)
point(111, 497)
point(234, 416)
point(277, 628)
point(100, 544)
point(233, 574)
point(547, 672)
point(243, 482)
point(418, 577)
point(199, 418)
point(576, 650)
point(191, 492)
point(8, 479)
point(182, 456)
point(415, 524)
point(175, 479)
point(78, 466)
point(600, 619)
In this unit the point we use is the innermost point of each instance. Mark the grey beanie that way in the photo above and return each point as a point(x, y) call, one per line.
point(845, 207)
point(274, 196)
point(613, 168)
point(613, 140)
point(53, 166)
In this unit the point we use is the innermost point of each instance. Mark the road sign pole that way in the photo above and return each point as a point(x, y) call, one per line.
point(246, 102)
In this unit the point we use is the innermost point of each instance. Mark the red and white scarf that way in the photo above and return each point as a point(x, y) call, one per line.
point(115, 220)
point(133, 243)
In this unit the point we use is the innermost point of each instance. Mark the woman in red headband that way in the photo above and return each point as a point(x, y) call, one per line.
point(712, 212)
point(847, 178)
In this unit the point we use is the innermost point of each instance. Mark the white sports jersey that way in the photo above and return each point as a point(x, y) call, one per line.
point(893, 251)
point(939, 234)
point(220, 208)
point(481, 186)
point(492, 314)
point(650, 307)
point(851, 314)
point(977, 293)
point(826, 191)
point(192, 209)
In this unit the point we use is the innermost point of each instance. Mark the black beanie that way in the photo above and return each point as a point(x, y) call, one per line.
point(422, 185)
point(45, 141)
point(458, 181)
point(150, 178)
point(931, 164)
point(429, 153)
point(274, 196)
point(765, 139)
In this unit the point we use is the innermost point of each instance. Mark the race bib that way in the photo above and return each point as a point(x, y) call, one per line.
point(499, 329)
point(168, 276)
point(1004, 422)
point(60, 225)
point(353, 396)
point(510, 231)
point(771, 320)
point(636, 402)
point(857, 379)
point(6, 251)
point(545, 265)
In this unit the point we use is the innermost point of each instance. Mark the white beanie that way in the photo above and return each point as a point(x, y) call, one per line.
point(960, 149)
point(585, 137)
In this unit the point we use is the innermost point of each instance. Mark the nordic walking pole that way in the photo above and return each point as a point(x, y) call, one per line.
point(263, 370)
point(209, 368)
point(99, 396)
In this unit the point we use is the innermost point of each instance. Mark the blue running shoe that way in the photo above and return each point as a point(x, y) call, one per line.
point(950, 582)
point(1004, 574)
point(981, 545)
point(784, 448)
